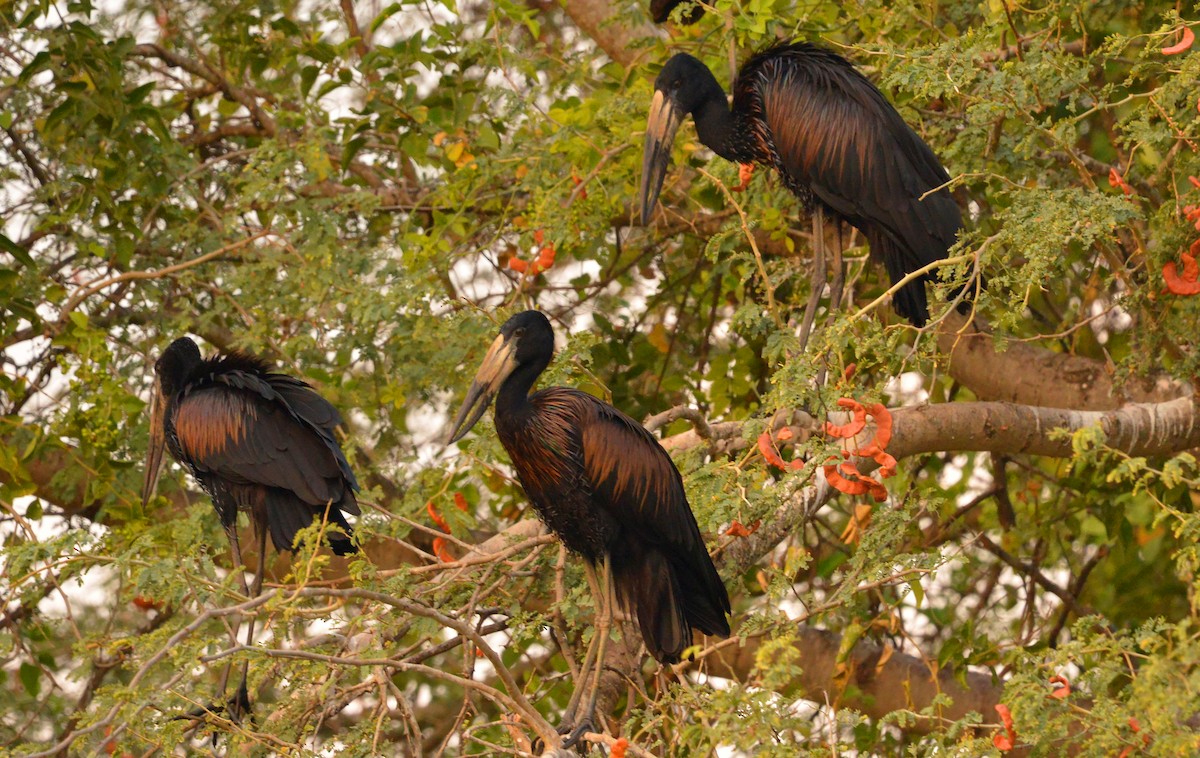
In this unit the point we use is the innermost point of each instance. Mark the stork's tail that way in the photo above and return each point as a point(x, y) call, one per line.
point(910, 300)
point(670, 595)
point(287, 515)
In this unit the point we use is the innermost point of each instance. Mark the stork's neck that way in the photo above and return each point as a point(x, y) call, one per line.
point(717, 126)
point(512, 401)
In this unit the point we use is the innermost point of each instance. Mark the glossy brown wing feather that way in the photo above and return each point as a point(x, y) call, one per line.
point(208, 423)
point(603, 484)
point(631, 472)
point(241, 437)
point(836, 139)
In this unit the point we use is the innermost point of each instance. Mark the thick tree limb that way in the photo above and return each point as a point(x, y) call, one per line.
point(1024, 373)
point(615, 36)
point(1139, 429)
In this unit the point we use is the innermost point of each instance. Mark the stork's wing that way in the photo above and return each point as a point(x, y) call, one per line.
point(835, 132)
point(630, 473)
point(245, 431)
point(303, 401)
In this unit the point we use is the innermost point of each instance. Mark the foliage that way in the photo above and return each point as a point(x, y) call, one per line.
point(348, 196)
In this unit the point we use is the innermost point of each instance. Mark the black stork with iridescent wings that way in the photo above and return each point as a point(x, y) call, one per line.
point(836, 141)
point(256, 441)
point(604, 485)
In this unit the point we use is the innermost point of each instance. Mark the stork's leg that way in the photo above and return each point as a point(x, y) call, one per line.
point(236, 549)
point(818, 279)
point(835, 295)
point(239, 704)
point(586, 722)
point(232, 706)
point(589, 658)
point(839, 275)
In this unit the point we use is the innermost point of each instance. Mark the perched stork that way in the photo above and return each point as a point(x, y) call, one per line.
point(838, 144)
point(255, 441)
point(604, 485)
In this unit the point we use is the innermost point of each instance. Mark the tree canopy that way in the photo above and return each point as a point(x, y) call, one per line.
point(361, 193)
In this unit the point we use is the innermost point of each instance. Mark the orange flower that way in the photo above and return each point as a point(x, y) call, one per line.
point(873, 449)
point(1006, 740)
point(852, 427)
point(1116, 180)
point(618, 748)
point(1184, 43)
point(544, 260)
point(1060, 692)
point(437, 517)
point(846, 478)
point(745, 171)
point(1136, 727)
point(737, 529)
point(1185, 283)
point(767, 448)
point(147, 603)
point(440, 544)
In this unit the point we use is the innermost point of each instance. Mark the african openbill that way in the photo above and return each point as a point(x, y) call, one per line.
point(838, 144)
point(604, 485)
point(256, 441)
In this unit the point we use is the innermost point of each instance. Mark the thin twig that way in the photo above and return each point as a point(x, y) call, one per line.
point(95, 286)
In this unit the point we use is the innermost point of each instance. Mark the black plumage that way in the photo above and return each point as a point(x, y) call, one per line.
point(256, 441)
point(836, 141)
point(604, 485)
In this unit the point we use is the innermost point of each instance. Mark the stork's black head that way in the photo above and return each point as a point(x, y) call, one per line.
point(532, 338)
point(685, 85)
point(173, 367)
point(523, 348)
point(177, 362)
point(686, 81)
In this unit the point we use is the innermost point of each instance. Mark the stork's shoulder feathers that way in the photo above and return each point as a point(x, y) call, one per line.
point(260, 428)
point(628, 471)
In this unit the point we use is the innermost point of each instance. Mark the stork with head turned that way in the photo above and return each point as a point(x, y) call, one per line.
point(604, 485)
point(835, 140)
point(255, 441)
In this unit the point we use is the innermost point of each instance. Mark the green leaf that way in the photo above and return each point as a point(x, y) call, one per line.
point(308, 75)
point(918, 591)
point(385, 14)
point(16, 251)
point(31, 678)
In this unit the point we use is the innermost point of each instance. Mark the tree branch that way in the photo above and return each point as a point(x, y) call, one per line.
point(613, 34)
point(1023, 373)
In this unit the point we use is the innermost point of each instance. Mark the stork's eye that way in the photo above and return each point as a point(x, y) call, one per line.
point(519, 332)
